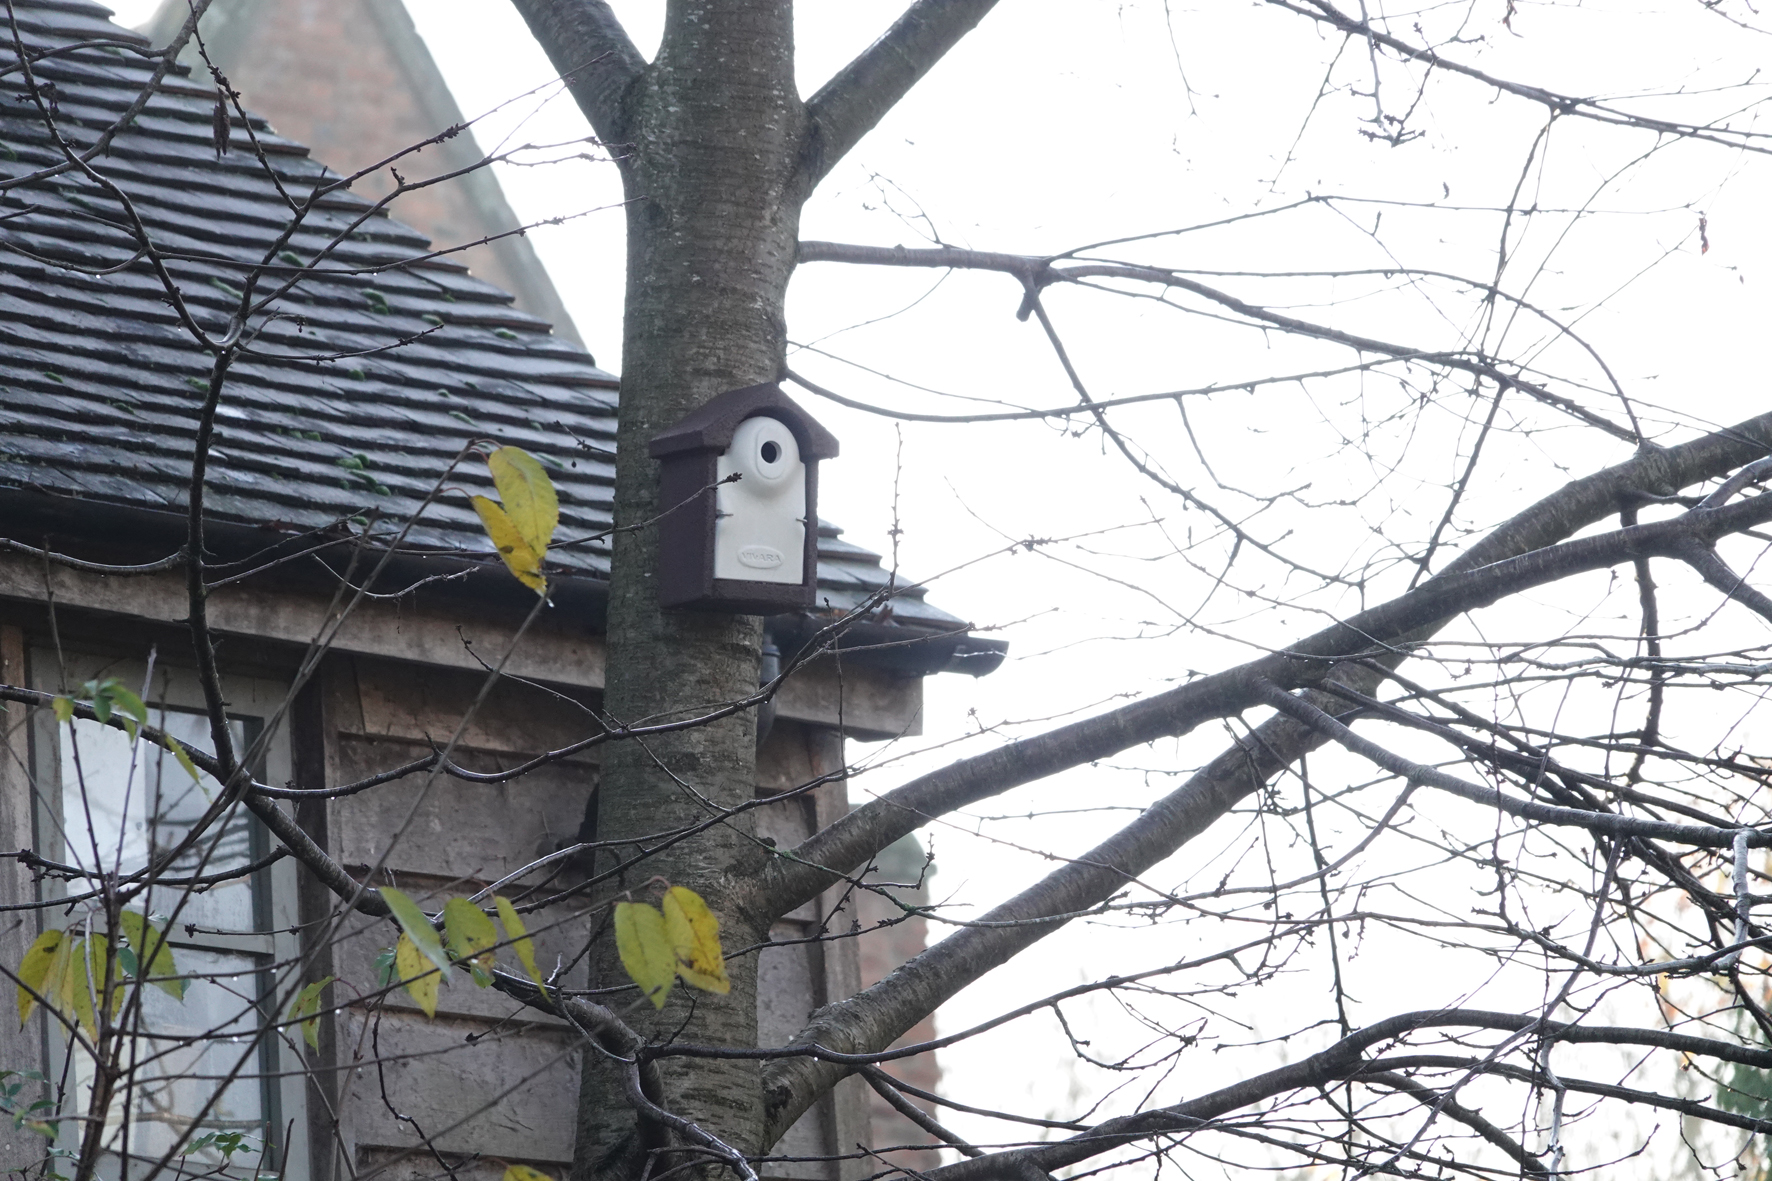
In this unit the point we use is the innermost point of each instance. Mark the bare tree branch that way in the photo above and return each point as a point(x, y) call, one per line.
point(883, 1087)
point(876, 1016)
point(1562, 104)
point(1036, 273)
point(851, 840)
point(593, 53)
point(1341, 1061)
point(850, 104)
point(1716, 572)
point(1610, 823)
point(1470, 1118)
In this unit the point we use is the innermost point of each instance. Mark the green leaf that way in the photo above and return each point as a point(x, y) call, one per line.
point(33, 973)
point(528, 496)
point(518, 935)
point(522, 560)
point(306, 1009)
point(470, 934)
point(151, 946)
point(384, 967)
point(64, 709)
point(418, 975)
point(132, 705)
point(417, 927)
point(183, 757)
point(645, 949)
point(694, 934)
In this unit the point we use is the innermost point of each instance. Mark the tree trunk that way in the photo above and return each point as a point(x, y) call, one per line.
point(714, 126)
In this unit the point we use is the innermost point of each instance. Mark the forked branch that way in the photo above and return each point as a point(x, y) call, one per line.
point(593, 53)
point(850, 104)
point(878, 1015)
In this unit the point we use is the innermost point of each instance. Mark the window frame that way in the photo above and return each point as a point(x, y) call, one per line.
point(275, 944)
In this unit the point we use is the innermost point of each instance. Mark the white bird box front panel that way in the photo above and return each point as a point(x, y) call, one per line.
point(760, 518)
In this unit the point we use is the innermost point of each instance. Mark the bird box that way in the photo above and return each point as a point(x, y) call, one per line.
point(738, 498)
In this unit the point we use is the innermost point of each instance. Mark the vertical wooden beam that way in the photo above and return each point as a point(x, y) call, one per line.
point(849, 1099)
point(311, 741)
point(20, 1049)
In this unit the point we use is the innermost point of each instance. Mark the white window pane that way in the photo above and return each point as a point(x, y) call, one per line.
point(123, 800)
point(183, 1056)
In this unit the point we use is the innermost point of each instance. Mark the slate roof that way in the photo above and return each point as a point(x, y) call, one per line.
point(100, 384)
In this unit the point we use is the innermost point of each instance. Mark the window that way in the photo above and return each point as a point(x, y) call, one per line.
point(201, 1066)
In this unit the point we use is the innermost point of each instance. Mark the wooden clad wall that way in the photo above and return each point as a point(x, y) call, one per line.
point(489, 1082)
point(20, 1049)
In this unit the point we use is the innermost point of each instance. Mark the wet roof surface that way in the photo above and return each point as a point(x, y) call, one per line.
point(321, 422)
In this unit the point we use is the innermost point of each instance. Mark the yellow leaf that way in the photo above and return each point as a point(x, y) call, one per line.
point(58, 980)
point(64, 709)
point(528, 496)
point(518, 554)
point(417, 926)
point(33, 972)
point(470, 933)
point(645, 949)
point(306, 1010)
point(418, 974)
point(158, 966)
point(525, 1173)
point(694, 933)
point(518, 934)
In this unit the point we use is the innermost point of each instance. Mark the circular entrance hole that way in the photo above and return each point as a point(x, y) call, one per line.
point(771, 452)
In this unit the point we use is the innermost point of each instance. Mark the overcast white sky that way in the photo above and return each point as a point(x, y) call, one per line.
point(1059, 124)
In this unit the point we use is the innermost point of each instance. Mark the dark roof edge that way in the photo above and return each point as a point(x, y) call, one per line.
point(128, 535)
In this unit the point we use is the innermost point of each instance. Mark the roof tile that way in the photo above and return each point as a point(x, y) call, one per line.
point(100, 383)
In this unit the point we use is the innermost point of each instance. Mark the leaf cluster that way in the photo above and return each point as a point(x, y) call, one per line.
point(422, 957)
point(66, 971)
point(680, 941)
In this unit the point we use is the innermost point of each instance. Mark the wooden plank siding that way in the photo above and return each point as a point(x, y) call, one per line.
point(487, 1077)
point(506, 1075)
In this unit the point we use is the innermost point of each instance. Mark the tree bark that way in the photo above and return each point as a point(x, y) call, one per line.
point(713, 129)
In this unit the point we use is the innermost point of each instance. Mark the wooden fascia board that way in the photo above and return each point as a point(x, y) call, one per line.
point(875, 704)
